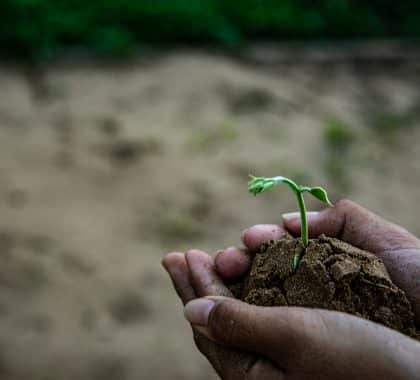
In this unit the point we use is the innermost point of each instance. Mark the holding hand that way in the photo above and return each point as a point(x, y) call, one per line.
point(249, 342)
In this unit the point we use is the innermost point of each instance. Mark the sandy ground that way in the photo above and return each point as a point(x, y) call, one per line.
point(103, 169)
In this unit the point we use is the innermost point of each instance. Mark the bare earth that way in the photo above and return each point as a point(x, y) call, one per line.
point(103, 169)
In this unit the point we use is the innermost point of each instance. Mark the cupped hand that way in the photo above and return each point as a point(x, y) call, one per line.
point(398, 249)
point(242, 341)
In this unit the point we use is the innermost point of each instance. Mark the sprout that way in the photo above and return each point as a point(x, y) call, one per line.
point(260, 184)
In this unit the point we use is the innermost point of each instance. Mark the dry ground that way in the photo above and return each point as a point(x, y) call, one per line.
point(105, 168)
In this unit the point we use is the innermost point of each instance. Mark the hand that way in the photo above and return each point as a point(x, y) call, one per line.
point(398, 249)
point(249, 342)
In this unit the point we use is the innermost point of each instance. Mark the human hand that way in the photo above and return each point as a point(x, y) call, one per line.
point(249, 342)
point(347, 221)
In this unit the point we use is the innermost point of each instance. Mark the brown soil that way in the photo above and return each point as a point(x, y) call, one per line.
point(331, 275)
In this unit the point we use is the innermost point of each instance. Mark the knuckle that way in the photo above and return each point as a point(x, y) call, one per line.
point(295, 330)
point(223, 324)
point(202, 343)
point(345, 204)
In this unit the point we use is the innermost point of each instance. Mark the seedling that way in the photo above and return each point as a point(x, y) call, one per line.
point(260, 184)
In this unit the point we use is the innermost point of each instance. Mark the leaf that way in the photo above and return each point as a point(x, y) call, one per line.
point(296, 261)
point(260, 184)
point(319, 193)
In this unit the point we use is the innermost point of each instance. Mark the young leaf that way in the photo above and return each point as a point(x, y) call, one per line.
point(259, 184)
point(319, 193)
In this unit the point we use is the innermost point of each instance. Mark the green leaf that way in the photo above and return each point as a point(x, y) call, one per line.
point(319, 193)
point(296, 261)
point(259, 184)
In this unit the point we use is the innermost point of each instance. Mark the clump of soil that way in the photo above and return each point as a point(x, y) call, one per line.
point(331, 275)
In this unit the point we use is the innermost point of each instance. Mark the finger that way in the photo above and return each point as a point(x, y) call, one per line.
point(176, 265)
point(204, 278)
point(228, 363)
point(306, 340)
point(398, 249)
point(236, 324)
point(235, 364)
point(232, 263)
point(355, 225)
point(255, 236)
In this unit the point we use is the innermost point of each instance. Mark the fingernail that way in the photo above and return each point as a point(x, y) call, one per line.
point(293, 215)
point(289, 216)
point(312, 214)
point(197, 311)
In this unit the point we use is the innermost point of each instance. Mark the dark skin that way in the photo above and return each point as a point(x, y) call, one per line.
point(242, 341)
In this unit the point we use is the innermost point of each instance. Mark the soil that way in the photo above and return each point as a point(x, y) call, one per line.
point(331, 275)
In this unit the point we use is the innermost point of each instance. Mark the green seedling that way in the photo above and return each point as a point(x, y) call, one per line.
point(260, 184)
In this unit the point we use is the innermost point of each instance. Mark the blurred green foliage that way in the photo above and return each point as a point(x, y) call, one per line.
point(338, 136)
point(388, 123)
point(209, 140)
point(41, 28)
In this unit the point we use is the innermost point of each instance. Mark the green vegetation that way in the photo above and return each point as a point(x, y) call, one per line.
point(388, 123)
point(179, 225)
point(260, 184)
point(41, 28)
point(338, 135)
point(211, 139)
point(338, 138)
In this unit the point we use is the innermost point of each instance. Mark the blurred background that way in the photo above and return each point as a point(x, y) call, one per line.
point(128, 129)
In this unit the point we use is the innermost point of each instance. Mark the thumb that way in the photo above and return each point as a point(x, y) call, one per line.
point(234, 323)
point(307, 341)
point(355, 225)
point(398, 249)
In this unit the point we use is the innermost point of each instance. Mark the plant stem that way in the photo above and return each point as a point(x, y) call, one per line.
point(303, 226)
point(303, 218)
point(261, 184)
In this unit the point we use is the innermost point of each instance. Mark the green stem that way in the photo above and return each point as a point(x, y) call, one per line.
point(303, 218)
point(303, 226)
point(261, 184)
